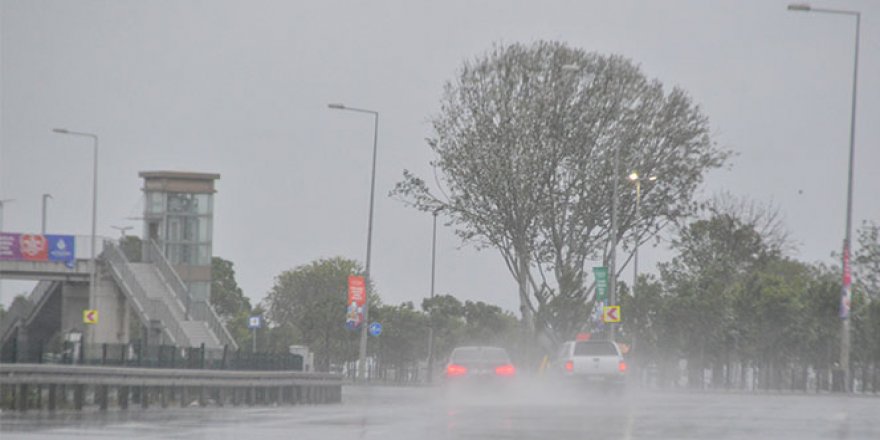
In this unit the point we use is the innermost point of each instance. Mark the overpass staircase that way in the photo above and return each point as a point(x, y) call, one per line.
point(153, 289)
point(161, 299)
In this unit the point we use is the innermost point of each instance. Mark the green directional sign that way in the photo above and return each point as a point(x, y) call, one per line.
point(601, 274)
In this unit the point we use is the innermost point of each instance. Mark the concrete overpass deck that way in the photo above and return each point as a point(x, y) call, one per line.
point(44, 270)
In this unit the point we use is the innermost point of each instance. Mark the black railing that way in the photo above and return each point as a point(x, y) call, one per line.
point(155, 356)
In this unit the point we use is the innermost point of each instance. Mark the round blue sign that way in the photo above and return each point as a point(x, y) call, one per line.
point(375, 329)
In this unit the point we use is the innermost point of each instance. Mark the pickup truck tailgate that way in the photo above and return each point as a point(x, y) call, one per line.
point(595, 358)
point(600, 365)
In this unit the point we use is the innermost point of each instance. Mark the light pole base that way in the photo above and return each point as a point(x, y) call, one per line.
point(838, 384)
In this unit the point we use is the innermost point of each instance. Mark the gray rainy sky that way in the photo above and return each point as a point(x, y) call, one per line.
point(241, 88)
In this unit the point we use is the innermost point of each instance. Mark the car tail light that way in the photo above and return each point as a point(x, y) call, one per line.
point(454, 370)
point(569, 366)
point(505, 370)
point(621, 367)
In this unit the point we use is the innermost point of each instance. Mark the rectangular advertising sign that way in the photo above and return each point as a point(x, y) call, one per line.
point(37, 247)
point(9, 248)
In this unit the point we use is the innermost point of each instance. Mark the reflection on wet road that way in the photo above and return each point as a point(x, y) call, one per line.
point(422, 413)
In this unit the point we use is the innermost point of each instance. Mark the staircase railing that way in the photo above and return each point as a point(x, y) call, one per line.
point(23, 309)
point(157, 257)
point(197, 310)
point(149, 309)
point(17, 311)
point(202, 311)
point(40, 290)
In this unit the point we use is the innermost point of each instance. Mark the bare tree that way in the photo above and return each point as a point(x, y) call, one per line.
point(765, 218)
point(524, 146)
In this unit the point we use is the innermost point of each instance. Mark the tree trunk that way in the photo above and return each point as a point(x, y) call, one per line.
point(876, 379)
point(525, 310)
point(806, 377)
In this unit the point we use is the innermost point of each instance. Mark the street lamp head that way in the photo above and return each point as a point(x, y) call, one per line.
point(61, 130)
point(634, 176)
point(336, 106)
point(652, 178)
point(803, 7)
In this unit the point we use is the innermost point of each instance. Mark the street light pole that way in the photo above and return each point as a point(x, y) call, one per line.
point(43, 229)
point(612, 294)
point(638, 218)
point(846, 295)
point(362, 351)
point(431, 310)
point(2, 203)
point(638, 180)
point(93, 300)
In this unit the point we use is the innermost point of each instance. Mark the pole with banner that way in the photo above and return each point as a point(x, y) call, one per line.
point(845, 308)
point(355, 317)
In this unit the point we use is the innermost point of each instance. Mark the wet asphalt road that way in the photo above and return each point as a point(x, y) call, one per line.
point(388, 413)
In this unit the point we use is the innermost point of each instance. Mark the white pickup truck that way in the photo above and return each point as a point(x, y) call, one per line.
point(592, 361)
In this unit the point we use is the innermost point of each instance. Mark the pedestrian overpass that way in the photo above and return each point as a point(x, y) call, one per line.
point(137, 298)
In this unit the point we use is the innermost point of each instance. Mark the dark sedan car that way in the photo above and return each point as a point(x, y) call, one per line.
point(479, 364)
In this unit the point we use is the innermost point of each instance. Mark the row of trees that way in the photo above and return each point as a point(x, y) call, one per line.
point(730, 303)
point(733, 304)
point(306, 306)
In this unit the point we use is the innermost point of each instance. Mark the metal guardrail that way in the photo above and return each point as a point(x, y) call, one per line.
point(150, 309)
point(199, 311)
point(22, 387)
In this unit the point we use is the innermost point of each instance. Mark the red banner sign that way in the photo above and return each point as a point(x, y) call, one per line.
point(357, 298)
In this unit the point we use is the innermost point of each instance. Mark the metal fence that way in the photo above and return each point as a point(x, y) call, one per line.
point(156, 356)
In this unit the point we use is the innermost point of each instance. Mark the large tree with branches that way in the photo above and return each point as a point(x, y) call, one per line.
point(524, 145)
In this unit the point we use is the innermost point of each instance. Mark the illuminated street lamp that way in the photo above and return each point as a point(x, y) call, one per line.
point(634, 176)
